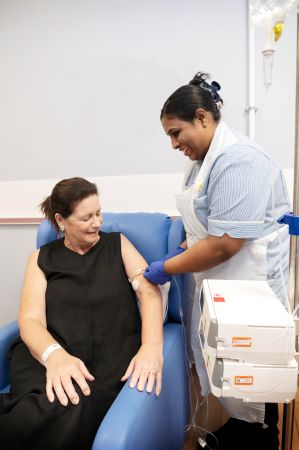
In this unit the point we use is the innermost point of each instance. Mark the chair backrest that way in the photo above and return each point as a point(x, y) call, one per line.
point(153, 234)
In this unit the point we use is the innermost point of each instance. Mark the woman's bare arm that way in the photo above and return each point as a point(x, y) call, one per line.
point(146, 366)
point(32, 312)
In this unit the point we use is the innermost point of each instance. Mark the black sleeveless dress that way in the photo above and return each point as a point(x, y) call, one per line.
point(92, 312)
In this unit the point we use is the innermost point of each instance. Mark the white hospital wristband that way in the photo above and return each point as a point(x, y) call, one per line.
point(48, 352)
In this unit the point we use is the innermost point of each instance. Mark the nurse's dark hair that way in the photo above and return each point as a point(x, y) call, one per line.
point(184, 102)
point(65, 196)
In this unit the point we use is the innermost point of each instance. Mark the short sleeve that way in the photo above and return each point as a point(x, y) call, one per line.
point(238, 195)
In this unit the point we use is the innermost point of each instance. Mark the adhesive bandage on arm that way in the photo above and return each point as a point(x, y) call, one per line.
point(48, 352)
point(133, 281)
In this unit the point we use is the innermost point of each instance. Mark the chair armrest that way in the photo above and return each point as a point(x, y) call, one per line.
point(137, 420)
point(177, 234)
point(8, 334)
point(176, 300)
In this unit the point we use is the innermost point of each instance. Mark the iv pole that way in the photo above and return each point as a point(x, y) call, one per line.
point(289, 409)
point(251, 109)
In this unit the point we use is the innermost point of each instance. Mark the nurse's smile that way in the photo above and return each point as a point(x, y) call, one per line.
point(192, 138)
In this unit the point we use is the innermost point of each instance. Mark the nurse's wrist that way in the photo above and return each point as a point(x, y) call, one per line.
point(168, 267)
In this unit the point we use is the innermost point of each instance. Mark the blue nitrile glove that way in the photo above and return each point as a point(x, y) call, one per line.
point(174, 253)
point(156, 274)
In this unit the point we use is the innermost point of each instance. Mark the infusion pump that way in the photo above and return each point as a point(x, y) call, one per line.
point(248, 341)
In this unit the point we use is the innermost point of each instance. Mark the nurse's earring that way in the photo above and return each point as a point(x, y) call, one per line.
point(204, 124)
point(61, 228)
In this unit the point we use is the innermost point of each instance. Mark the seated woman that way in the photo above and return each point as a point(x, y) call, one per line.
point(81, 331)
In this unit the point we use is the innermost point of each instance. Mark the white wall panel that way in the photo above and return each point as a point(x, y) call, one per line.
point(82, 82)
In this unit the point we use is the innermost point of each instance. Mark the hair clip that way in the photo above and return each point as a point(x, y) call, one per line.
point(213, 88)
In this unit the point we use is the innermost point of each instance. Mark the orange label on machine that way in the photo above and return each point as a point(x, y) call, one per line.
point(241, 341)
point(218, 298)
point(243, 380)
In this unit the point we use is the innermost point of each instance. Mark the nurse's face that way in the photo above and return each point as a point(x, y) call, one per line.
point(191, 138)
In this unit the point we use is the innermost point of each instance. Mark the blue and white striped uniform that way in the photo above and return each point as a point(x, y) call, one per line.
point(237, 199)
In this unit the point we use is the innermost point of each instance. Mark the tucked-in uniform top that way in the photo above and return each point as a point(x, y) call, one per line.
point(243, 196)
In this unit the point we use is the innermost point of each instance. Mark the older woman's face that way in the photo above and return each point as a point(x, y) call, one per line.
point(82, 226)
point(191, 138)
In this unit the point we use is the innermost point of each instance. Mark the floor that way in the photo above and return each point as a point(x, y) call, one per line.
point(212, 421)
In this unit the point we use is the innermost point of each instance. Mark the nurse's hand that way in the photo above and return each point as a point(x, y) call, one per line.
point(156, 274)
point(146, 368)
point(62, 369)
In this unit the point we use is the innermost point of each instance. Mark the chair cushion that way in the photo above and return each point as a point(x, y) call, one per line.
point(148, 232)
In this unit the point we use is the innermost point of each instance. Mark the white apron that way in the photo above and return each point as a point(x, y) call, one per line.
point(249, 263)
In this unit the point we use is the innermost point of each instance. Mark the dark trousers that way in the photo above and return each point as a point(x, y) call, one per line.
point(241, 435)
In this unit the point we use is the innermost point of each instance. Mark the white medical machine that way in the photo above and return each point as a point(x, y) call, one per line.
point(248, 341)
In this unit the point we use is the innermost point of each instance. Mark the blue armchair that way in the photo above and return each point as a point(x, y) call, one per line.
point(137, 420)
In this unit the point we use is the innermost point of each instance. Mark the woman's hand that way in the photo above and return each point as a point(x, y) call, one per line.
point(61, 369)
point(146, 368)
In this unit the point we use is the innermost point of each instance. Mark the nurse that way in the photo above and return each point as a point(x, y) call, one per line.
point(231, 198)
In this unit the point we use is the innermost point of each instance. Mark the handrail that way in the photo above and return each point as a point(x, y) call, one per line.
point(21, 220)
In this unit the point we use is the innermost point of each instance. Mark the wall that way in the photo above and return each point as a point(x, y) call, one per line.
point(12, 266)
point(82, 82)
point(152, 193)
